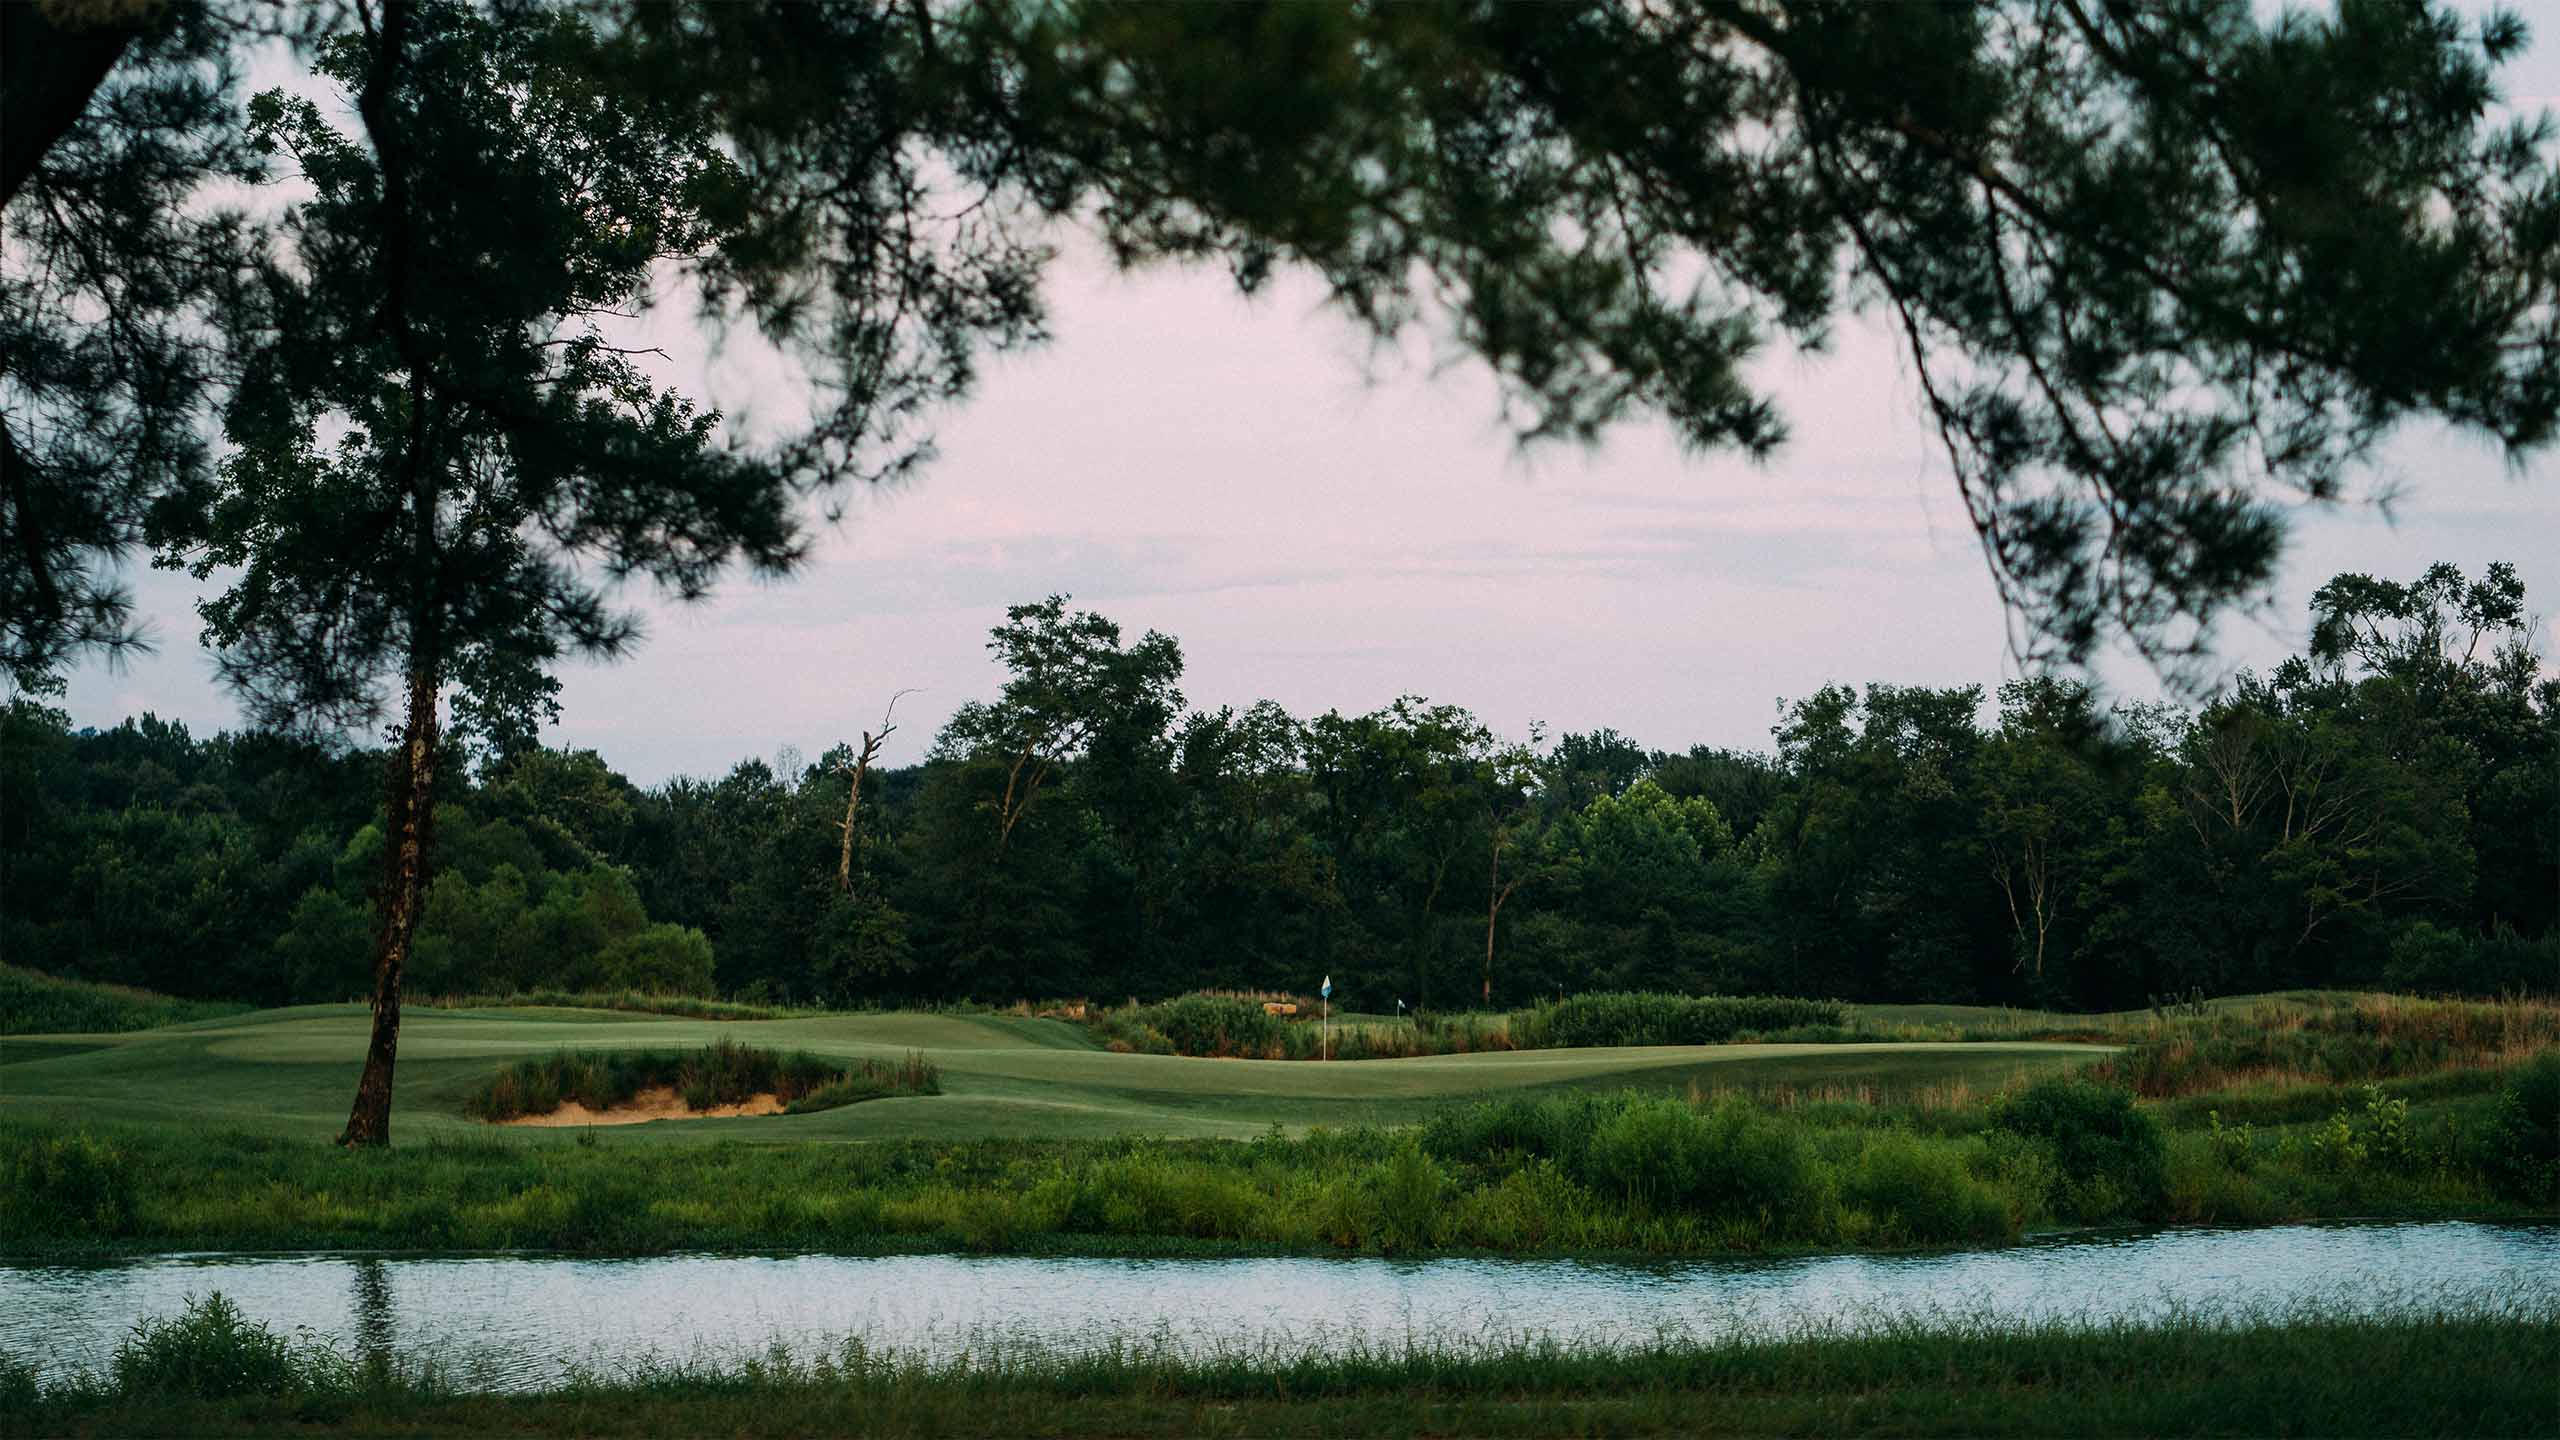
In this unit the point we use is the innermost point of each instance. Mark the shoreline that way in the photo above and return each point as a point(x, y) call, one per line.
point(1070, 1245)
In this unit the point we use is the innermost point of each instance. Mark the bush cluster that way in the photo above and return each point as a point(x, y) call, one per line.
point(65, 1184)
point(1751, 1175)
point(2112, 1157)
point(209, 1352)
point(1216, 1025)
point(2524, 1136)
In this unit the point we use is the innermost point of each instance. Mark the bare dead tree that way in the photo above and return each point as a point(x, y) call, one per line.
point(860, 770)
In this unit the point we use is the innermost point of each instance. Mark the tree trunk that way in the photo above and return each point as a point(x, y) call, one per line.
point(397, 905)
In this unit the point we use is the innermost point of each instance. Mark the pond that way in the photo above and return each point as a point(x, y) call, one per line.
point(519, 1321)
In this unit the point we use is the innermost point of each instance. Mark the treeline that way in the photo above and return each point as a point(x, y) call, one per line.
point(2383, 809)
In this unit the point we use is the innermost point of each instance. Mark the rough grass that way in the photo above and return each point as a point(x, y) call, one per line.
point(723, 1072)
point(2481, 1369)
point(34, 1003)
point(2334, 1040)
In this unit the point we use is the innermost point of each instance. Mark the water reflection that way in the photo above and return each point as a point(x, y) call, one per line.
point(373, 1313)
point(519, 1320)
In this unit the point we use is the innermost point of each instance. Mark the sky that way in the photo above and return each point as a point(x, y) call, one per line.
point(1331, 528)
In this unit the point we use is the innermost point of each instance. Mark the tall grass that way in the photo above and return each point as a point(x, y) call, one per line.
point(721, 1073)
point(34, 1003)
point(2333, 1040)
point(2477, 1367)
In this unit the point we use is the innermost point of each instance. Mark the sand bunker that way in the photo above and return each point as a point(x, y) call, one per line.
point(659, 1102)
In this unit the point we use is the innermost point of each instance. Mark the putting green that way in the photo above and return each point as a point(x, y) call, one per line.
point(291, 1073)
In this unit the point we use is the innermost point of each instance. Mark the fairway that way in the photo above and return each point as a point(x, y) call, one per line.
point(291, 1073)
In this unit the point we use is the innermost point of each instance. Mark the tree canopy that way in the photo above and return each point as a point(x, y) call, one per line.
point(2161, 267)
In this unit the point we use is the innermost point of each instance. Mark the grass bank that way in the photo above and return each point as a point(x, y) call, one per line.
point(34, 1003)
point(2481, 1370)
point(1563, 1172)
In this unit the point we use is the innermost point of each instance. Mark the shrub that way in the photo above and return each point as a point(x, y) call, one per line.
point(66, 1185)
point(1216, 1025)
point(1550, 1127)
point(2523, 1156)
point(2111, 1155)
point(2021, 1170)
point(1532, 1207)
point(2506, 963)
point(1734, 1163)
point(1149, 1193)
point(1411, 1195)
point(2427, 956)
point(1922, 1194)
point(1654, 1151)
point(661, 960)
point(208, 1353)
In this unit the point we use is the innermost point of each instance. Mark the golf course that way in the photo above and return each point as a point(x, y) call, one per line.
point(1040, 1142)
point(285, 1073)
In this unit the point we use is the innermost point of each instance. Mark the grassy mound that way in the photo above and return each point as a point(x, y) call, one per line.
point(721, 1073)
point(34, 1003)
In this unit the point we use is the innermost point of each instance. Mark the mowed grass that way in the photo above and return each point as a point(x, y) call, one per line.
point(290, 1073)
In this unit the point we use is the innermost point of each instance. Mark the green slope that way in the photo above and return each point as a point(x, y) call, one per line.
point(291, 1073)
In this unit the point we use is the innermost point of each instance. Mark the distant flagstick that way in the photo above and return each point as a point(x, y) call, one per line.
point(1324, 1025)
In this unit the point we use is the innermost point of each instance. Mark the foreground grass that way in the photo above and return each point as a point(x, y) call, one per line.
point(2474, 1370)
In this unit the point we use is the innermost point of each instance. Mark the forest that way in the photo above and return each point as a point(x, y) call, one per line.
point(2379, 810)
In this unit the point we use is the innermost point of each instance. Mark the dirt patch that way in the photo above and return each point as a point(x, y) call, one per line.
point(659, 1102)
